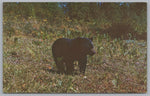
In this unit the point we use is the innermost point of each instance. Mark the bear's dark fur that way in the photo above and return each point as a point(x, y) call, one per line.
point(66, 51)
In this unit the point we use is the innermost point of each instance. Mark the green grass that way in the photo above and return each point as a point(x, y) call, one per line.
point(118, 67)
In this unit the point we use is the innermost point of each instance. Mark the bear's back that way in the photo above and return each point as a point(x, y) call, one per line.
point(61, 47)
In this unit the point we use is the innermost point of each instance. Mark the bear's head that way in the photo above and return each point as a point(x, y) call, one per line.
point(86, 46)
point(90, 47)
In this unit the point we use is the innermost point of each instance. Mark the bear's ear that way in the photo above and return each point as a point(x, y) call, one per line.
point(91, 38)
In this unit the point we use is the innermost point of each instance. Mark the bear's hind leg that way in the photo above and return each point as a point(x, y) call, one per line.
point(60, 66)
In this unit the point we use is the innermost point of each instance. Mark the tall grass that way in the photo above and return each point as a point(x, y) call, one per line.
point(119, 66)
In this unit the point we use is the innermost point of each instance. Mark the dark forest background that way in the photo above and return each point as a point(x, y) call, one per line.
point(116, 19)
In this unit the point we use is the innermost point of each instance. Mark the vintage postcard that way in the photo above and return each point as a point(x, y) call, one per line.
point(70, 47)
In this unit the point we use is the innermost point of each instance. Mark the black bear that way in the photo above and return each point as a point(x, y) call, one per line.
point(66, 51)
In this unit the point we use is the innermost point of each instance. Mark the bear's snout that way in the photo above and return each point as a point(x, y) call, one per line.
point(92, 52)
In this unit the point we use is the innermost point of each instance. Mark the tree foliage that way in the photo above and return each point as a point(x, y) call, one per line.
point(98, 15)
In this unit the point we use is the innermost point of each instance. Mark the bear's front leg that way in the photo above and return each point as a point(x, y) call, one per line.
point(69, 67)
point(82, 64)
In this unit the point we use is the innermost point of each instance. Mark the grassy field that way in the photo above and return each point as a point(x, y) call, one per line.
point(119, 33)
point(120, 66)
